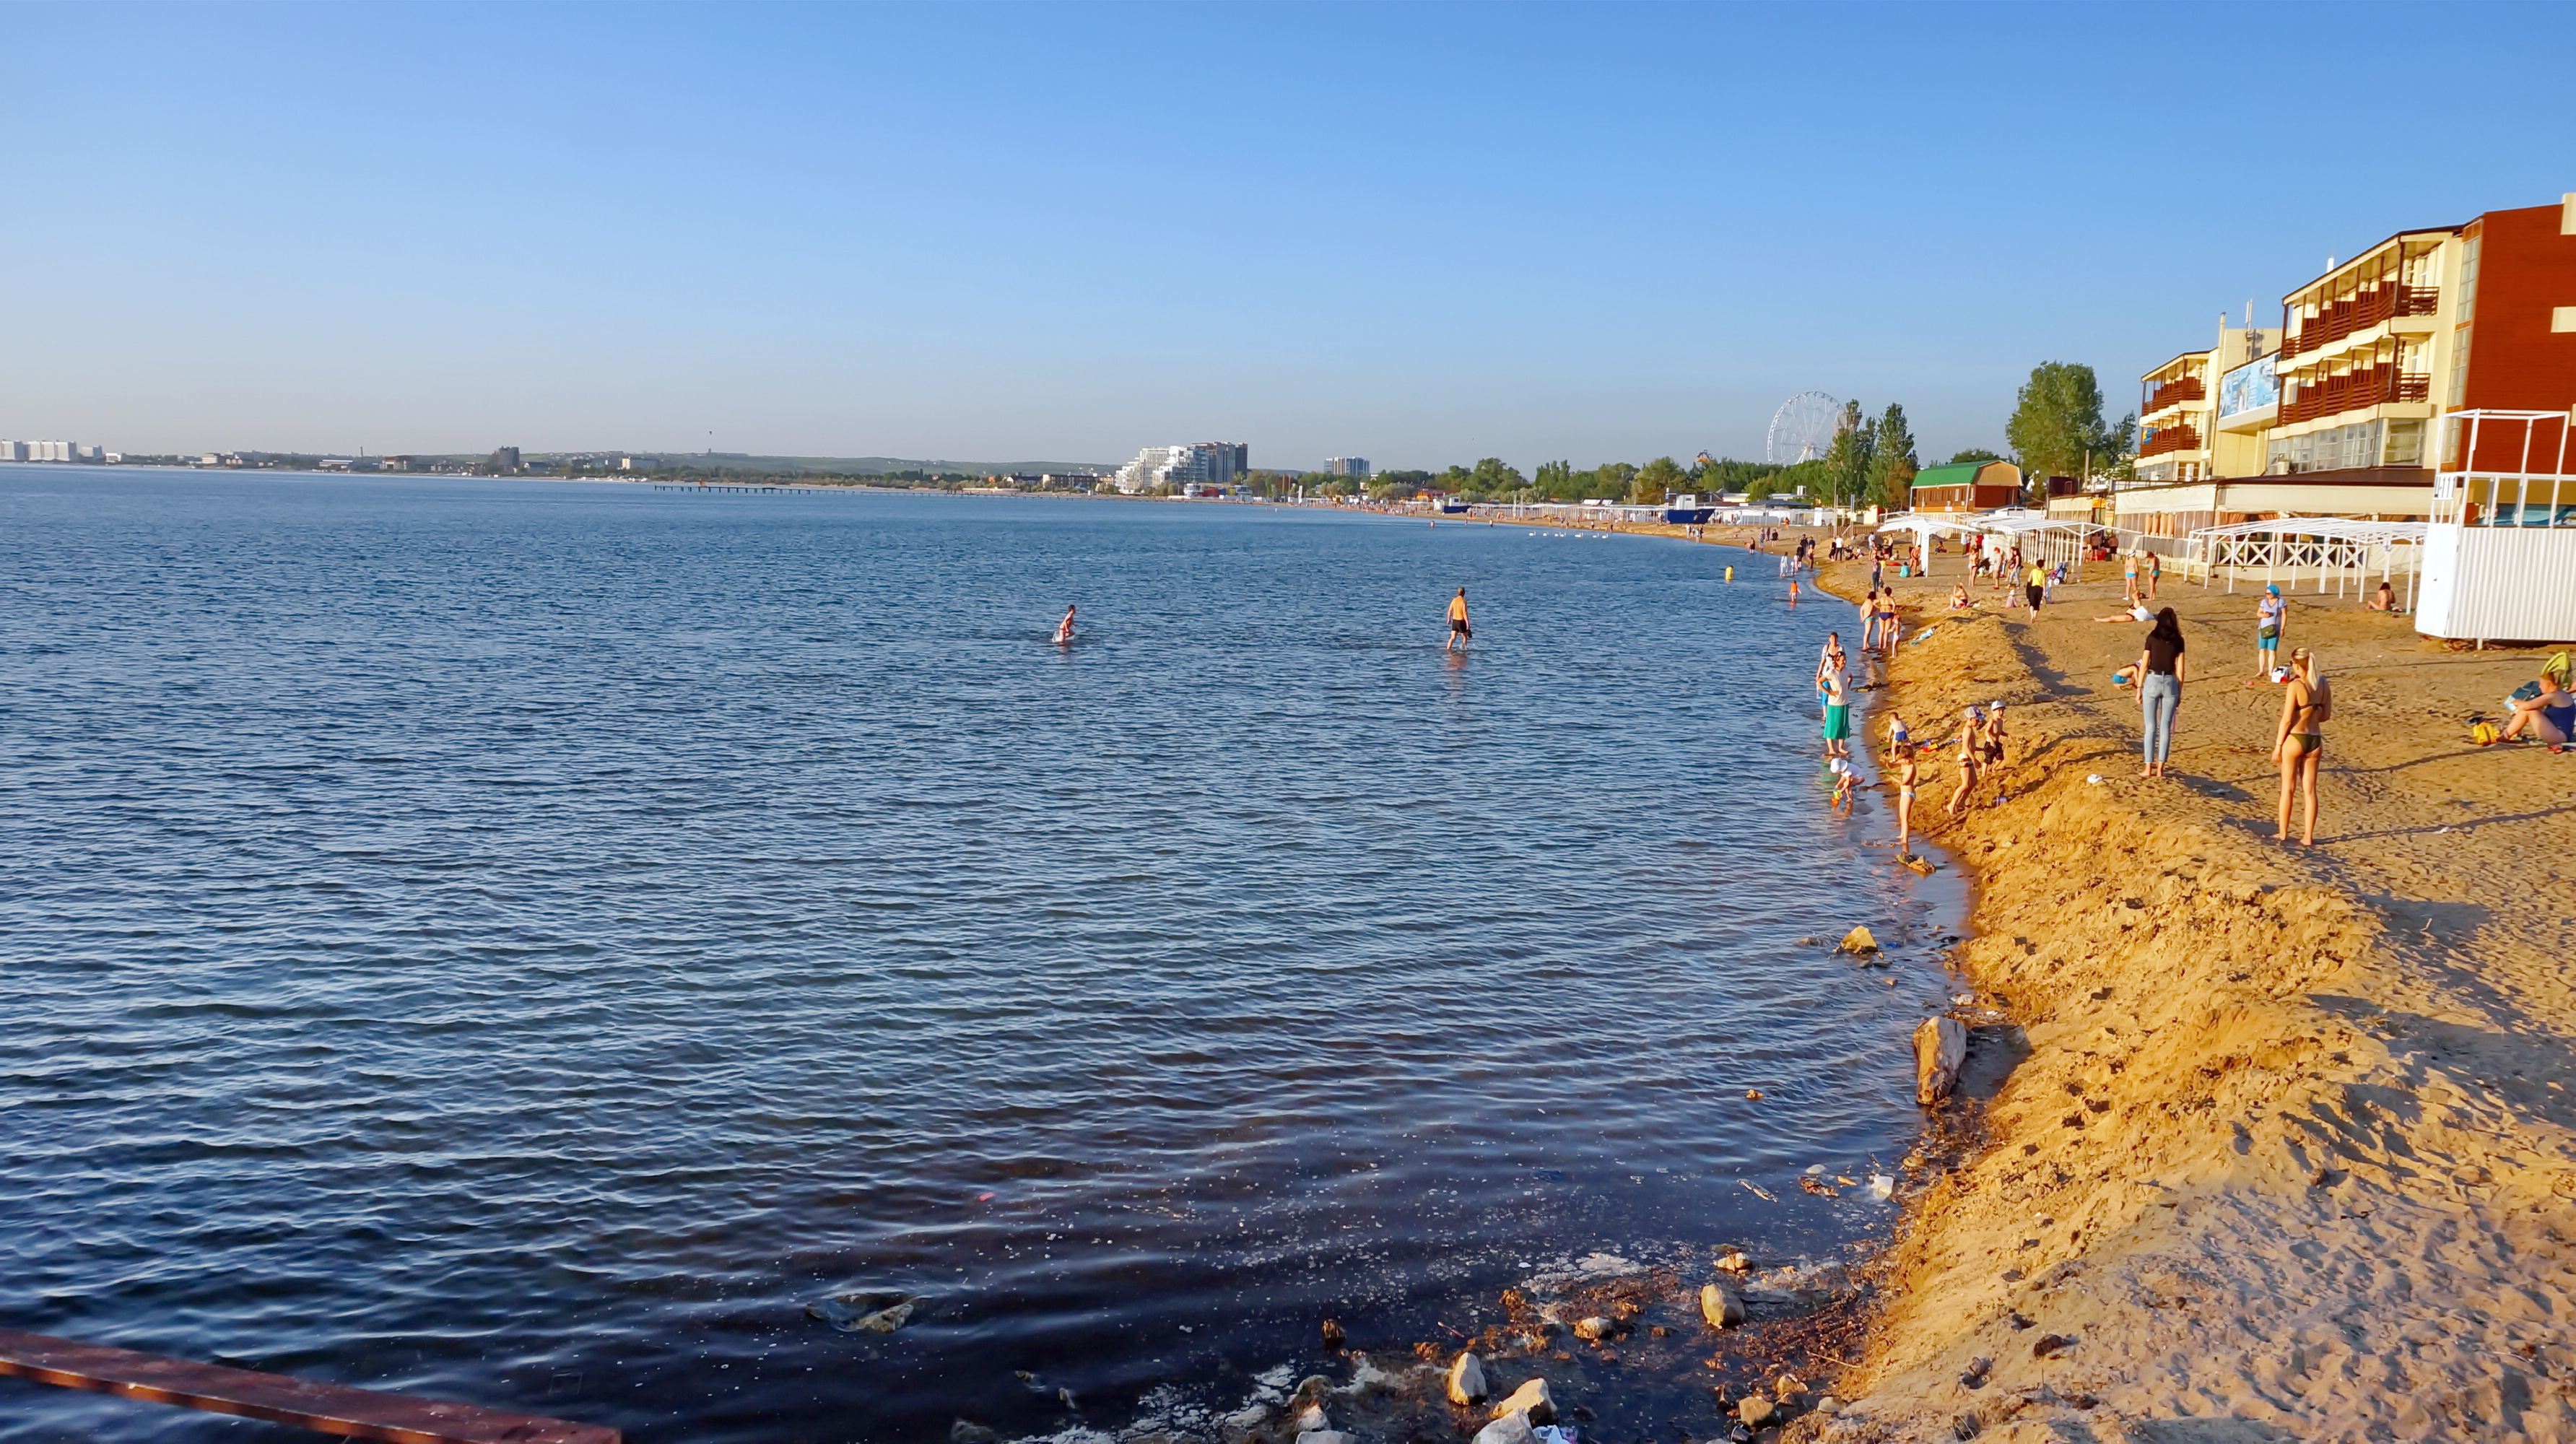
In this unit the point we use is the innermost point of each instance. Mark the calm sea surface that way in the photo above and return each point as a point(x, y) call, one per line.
point(524, 942)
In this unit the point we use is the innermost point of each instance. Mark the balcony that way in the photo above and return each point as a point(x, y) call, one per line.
point(2172, 393)
point(2168, 439)
point(2359, 312)
point(2353, 391)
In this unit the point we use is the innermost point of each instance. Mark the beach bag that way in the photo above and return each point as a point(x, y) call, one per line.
point(2484, 734)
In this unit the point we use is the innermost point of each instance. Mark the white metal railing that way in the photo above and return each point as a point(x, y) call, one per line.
point(2341, 550)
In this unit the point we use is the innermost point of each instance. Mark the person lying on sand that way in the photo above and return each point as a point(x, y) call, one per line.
point(2137, 612)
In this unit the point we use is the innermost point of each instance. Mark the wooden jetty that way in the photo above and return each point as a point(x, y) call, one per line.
point(726, 486)
point(279, 1398)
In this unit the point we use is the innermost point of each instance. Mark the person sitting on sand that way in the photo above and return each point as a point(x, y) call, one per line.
point(2549, 717)
point(2301, 742)
point(1064, 629)
point(1960, 601)
point(2384, 599)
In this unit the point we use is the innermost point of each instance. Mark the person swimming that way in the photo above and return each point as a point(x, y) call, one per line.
point(1064, 629)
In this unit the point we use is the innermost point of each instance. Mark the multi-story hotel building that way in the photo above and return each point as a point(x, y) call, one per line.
point(2372, 355)
point(2178, 410)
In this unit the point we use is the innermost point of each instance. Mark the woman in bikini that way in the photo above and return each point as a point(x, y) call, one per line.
point(2301, 745)
point(1972, 751)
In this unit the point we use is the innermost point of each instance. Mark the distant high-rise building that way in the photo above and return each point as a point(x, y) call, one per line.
point(1211, 463)
point(51, 451)
point(505, 459)
point(13, 451)
point(1347, 466)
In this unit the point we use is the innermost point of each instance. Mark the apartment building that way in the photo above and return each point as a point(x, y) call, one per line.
point(1205, 463)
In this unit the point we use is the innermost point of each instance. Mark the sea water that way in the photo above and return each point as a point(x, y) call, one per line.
point(525, 942)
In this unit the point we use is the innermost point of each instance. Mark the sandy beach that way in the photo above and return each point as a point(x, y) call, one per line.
point(2255, 1143)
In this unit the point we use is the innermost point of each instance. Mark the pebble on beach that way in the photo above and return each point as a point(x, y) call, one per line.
point(1531, 1399)
point(1721, 1306)
point(1756, 1411)
point(1467, 1380)
point(1509, 1429)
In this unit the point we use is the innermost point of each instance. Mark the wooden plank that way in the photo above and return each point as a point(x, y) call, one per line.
point(278, 1398)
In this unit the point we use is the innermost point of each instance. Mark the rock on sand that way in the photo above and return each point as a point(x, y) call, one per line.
point(1467, 1380)
point(1722, 1306)
point(1532, 1399)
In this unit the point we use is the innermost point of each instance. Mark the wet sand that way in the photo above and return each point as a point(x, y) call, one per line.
point(2262, 1143)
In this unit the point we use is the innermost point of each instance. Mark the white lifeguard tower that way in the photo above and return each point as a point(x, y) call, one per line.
point(2500, 550)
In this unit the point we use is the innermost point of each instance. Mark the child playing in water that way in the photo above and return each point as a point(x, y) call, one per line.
point(1907, 774)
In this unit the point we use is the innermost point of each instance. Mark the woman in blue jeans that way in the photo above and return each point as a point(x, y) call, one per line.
point(2160, 677)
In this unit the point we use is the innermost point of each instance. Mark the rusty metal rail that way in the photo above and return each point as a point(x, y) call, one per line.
point(278, 1398)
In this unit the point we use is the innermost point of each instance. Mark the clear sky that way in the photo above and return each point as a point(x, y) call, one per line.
point(992, 233)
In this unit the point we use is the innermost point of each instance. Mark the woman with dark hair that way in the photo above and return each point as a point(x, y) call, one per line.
point(2160, 677)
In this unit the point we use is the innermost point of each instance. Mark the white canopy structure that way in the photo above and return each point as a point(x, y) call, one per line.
point(2346, 547)
point(2050, 539)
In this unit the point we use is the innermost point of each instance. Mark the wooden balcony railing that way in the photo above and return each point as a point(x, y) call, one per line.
point(2169, 438)
point(2369, 386)
point(278, 1398)
point(2189, 388)
point(2361, 311)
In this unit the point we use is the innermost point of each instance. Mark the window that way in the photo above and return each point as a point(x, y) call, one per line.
point(2405, 443)
point(2459, 365)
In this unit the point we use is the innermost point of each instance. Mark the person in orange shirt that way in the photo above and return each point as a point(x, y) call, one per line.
point(1460, 634)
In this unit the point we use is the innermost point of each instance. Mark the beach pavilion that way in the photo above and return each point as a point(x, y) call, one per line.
point(2346, 547)
point(2041, 536)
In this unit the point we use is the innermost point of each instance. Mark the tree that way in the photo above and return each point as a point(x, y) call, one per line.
point(1493, 478)
point(1554, 481)
point(1656, 481)
point(1975, 453)
point(1892, 463)
point(2057, 427)
point(1847, 460)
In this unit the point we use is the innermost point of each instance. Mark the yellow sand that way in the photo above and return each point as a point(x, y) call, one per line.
point(2293, 1151)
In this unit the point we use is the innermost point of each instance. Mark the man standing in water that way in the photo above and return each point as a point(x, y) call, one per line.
point(1460, 634)
point(1064, 629)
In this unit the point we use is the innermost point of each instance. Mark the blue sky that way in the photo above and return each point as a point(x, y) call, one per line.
point(1417, 234)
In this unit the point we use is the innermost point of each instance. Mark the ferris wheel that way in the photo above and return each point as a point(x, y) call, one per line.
point(1802, 428)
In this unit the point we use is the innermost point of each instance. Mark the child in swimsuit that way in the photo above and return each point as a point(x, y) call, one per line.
point(1970, 751)
point(1907, 774)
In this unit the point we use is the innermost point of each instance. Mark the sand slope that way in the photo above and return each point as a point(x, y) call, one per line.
point(2292, 1153)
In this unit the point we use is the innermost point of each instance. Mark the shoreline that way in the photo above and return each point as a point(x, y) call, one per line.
point(2277, 1141)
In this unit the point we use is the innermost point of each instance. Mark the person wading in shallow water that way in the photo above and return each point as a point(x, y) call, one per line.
point(1064, 629)
point(1460, 634)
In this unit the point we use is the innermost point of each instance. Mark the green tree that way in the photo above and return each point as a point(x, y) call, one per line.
point(1493, 478)
point(2057, 427)
point(1554, 481)
point(1656, 481)
point(1611, 479)
point(1892, 462)
point(1975, 453)
point(1847, 460)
